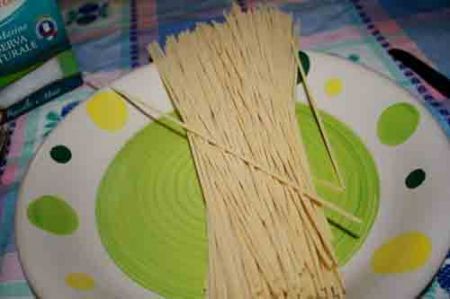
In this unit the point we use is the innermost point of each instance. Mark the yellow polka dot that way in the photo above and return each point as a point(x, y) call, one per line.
point(108, 111)
point(404, 253)
point(333, 87)
point(80, 281)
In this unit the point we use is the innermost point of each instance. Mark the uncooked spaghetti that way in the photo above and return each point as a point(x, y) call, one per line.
point(235, 82)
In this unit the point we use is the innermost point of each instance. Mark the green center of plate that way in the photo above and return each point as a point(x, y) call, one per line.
point(151, 216)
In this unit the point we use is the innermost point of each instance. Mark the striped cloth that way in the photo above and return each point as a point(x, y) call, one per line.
point(110, 36)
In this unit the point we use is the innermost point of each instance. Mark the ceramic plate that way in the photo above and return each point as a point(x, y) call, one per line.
point(111, 207)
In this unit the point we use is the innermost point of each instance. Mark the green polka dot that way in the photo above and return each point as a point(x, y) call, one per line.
point(151, 215)
point(306, 64)
point(61, 154)
point(53, 215)
point(397, 123)
point(415, 178)
point(353, 57)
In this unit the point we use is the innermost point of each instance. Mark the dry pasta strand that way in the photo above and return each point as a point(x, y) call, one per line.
point(318, 120)
point(233, 84)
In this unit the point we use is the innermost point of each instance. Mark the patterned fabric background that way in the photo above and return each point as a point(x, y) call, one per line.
point(110, 36)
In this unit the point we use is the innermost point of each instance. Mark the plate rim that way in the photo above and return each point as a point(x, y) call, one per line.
point(34, 284)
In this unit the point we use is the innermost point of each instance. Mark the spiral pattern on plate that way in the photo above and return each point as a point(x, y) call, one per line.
point(151, 215)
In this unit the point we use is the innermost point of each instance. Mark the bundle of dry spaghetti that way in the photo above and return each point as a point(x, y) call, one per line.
point(235, 82)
